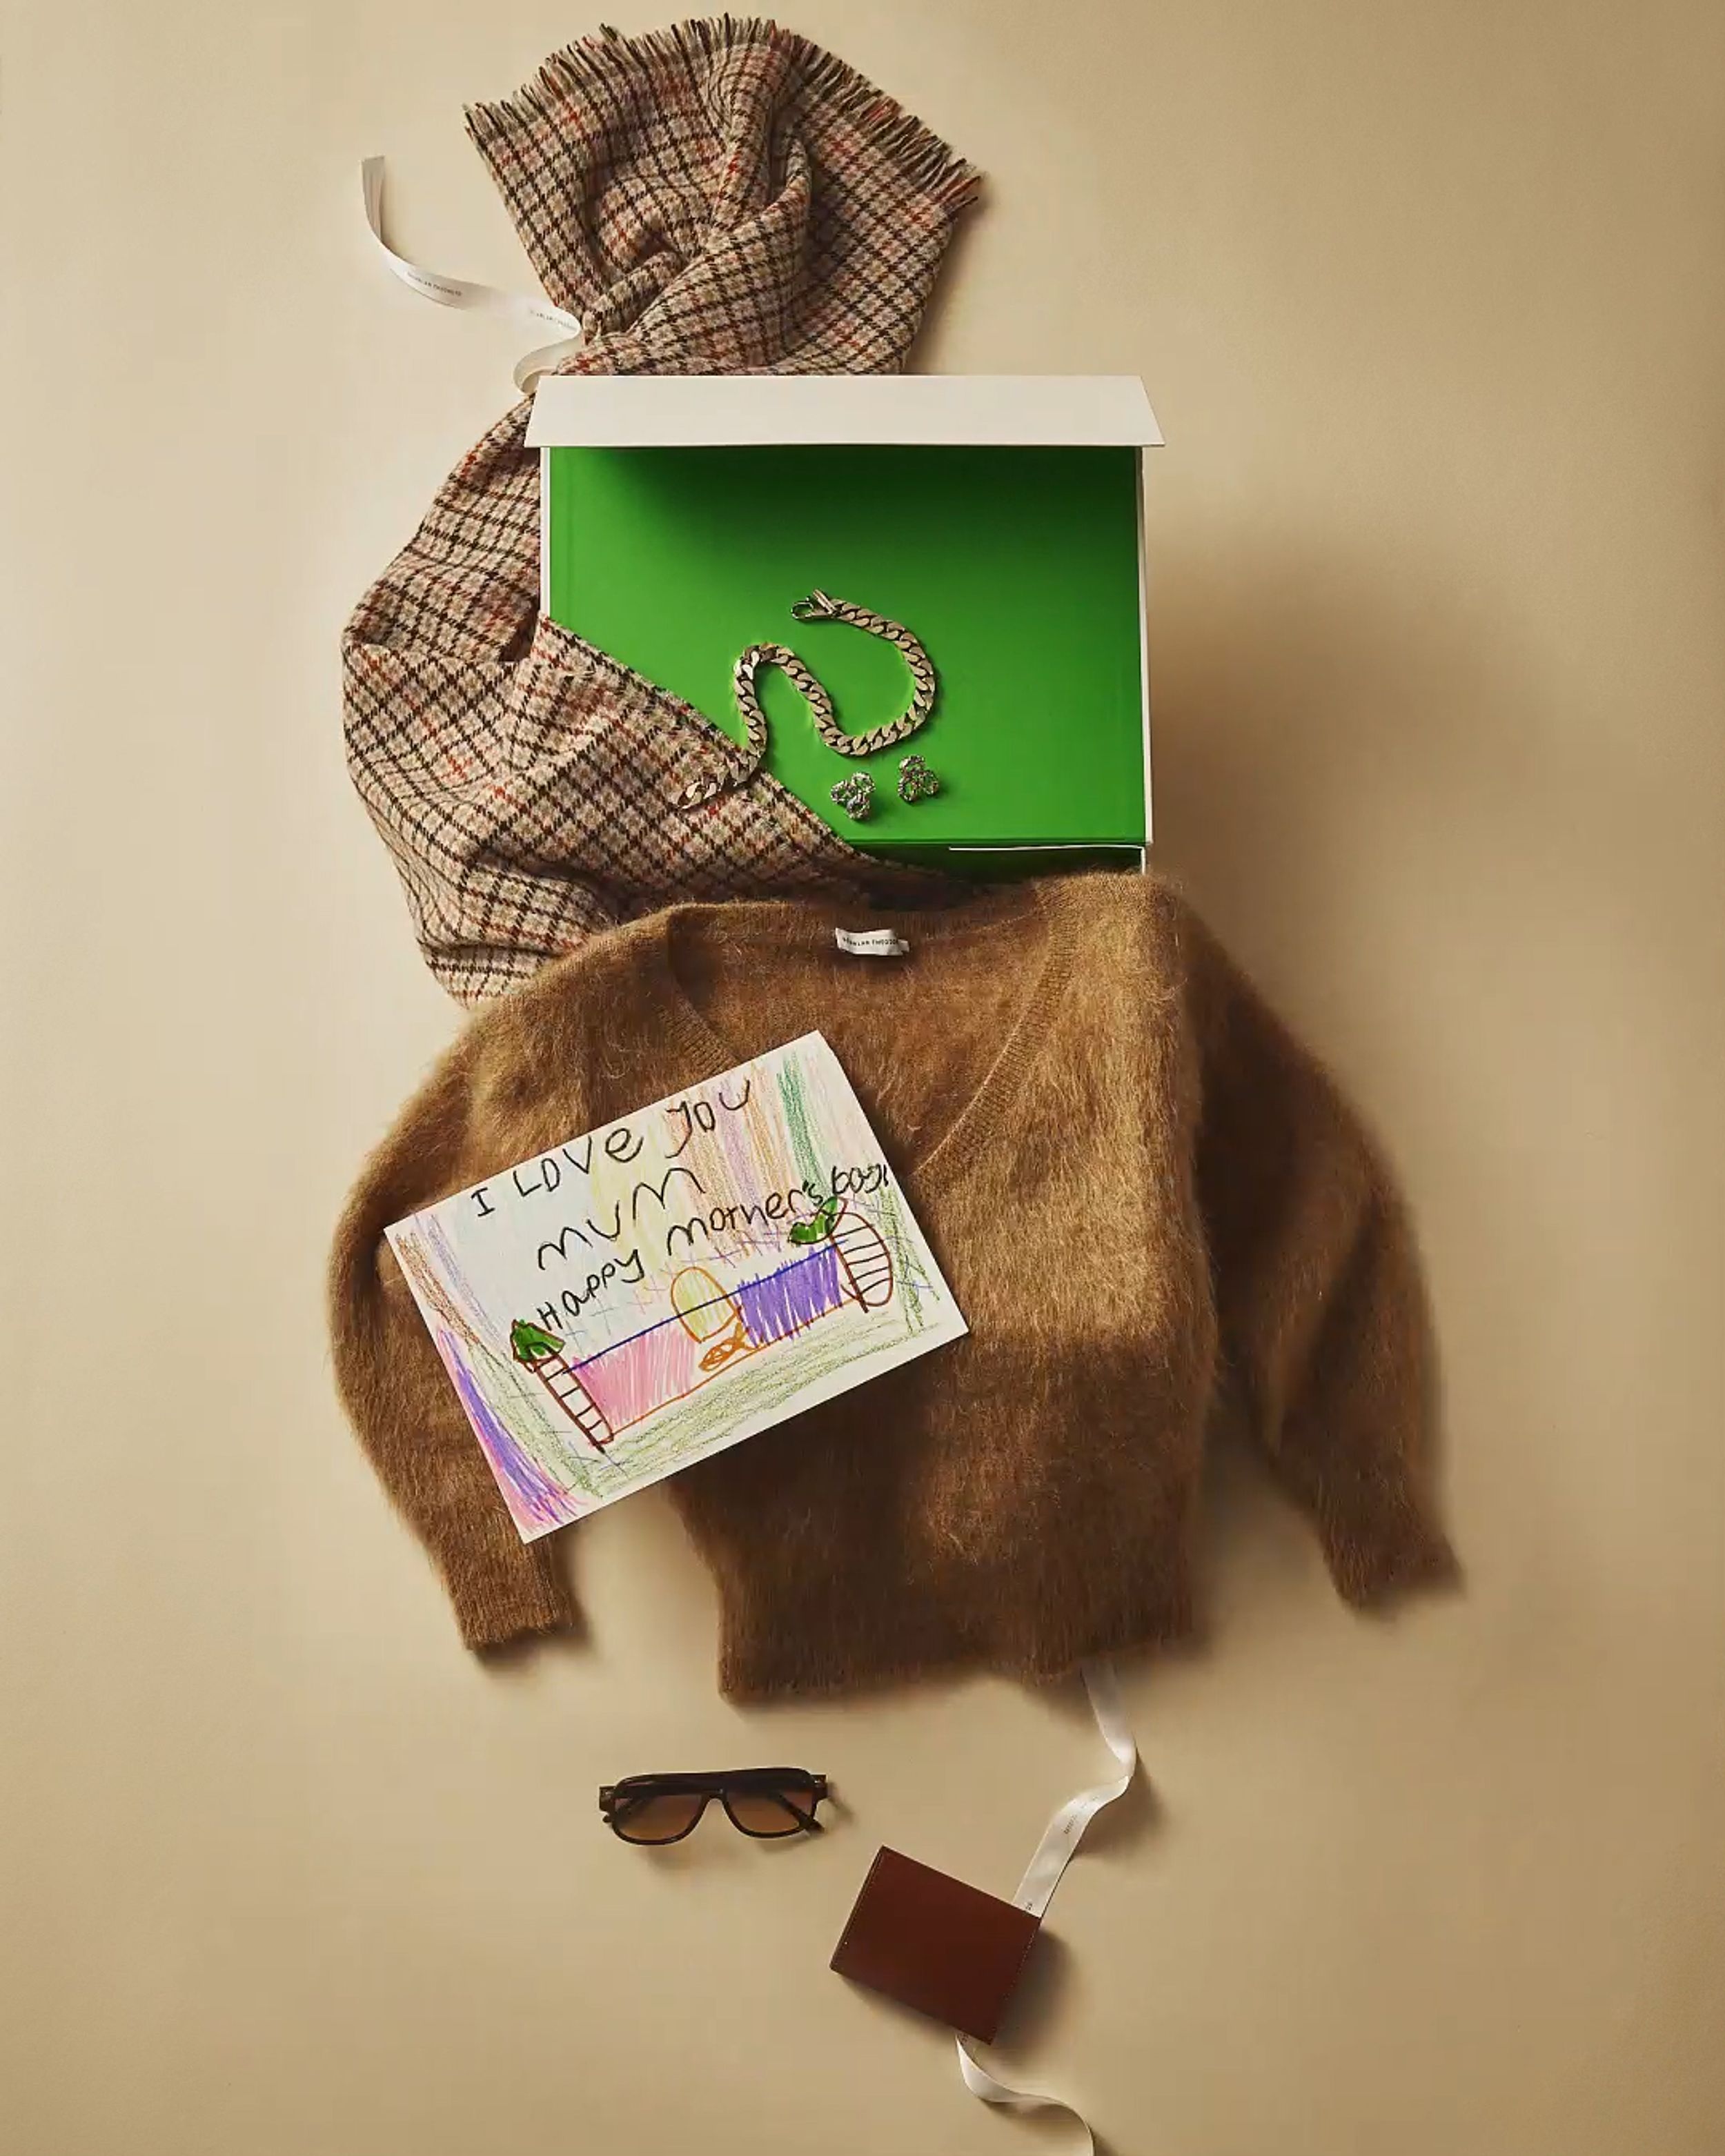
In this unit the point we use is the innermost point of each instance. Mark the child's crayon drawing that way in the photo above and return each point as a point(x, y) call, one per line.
point(652, 1291)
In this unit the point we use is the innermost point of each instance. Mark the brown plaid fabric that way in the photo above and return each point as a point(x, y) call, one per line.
point(719, 197)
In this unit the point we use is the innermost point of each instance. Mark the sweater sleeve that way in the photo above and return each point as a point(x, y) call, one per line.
point(1324, 1330)
point(399, 1398)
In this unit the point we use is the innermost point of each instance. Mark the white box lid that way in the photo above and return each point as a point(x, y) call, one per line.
point(712, 411)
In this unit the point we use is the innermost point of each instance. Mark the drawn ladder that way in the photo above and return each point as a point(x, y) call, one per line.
point(573, 1396)
point(864, 1259)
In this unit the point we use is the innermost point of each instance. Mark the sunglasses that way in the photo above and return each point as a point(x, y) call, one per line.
point(768, 1802)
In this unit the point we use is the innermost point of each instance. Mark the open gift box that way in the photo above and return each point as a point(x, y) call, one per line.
point(999, 518)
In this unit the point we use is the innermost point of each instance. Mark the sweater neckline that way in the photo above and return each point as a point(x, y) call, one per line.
point(811, 923)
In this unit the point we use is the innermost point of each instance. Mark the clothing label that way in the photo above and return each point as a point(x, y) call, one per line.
point(870, 942)
point(652, 1292)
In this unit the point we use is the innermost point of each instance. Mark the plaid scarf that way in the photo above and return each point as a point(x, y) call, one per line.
point(719, 197)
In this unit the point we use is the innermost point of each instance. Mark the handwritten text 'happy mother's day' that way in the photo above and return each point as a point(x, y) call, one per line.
point(623, 1233)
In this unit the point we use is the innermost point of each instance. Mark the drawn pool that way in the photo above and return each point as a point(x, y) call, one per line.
point(710, 1328)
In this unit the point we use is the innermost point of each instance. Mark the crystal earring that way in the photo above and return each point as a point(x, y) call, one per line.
point(916, 780)
point(854, 794)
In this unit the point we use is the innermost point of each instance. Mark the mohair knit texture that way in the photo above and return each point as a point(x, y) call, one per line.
point(719, 197)
point(1153, 1208)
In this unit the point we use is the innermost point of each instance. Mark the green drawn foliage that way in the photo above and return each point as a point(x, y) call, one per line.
point(820, 1224)
point(531, 1344)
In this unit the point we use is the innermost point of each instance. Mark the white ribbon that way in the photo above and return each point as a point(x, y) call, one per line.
point(1055, 1850)
point(459, 292)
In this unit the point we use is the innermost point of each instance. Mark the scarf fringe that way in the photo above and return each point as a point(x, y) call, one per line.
point(610, 61)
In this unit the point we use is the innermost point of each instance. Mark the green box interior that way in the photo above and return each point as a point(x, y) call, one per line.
point(1017, 567)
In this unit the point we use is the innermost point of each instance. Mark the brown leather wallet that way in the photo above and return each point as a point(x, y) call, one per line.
point(932, 1943)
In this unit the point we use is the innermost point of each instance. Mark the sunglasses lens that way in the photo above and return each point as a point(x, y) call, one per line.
point(655, 1819)
point(769, 1812)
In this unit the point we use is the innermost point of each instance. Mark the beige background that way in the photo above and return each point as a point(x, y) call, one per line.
point(1432, 305)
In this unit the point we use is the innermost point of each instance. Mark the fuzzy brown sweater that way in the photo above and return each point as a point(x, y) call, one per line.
point(1152, 1207)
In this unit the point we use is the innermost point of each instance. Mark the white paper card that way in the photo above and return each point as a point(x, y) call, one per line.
point(655, 1291)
